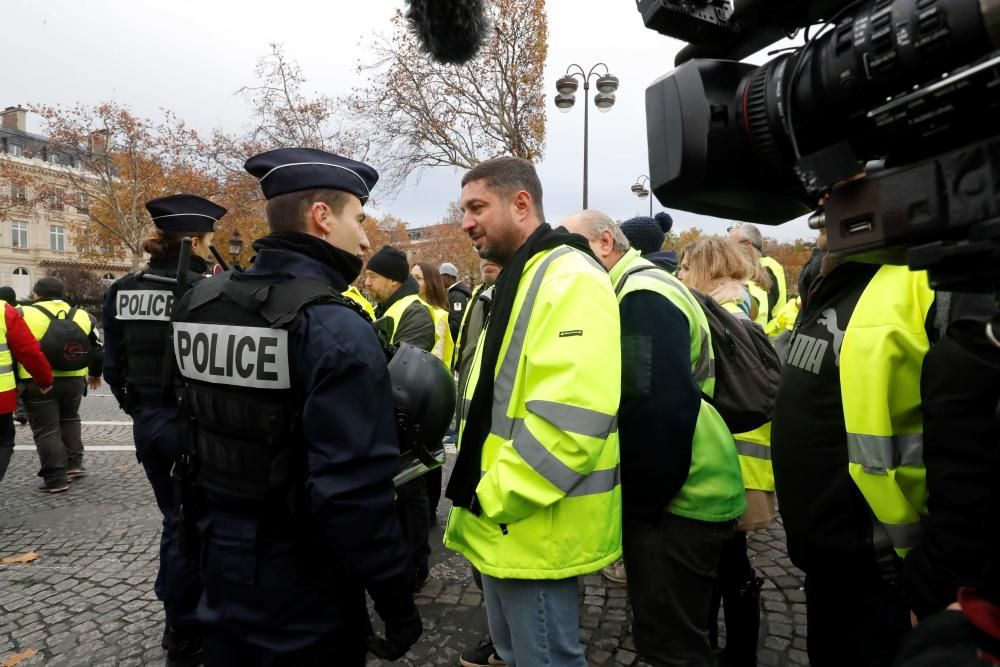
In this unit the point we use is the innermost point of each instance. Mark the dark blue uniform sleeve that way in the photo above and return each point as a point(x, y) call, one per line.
point(114, 373)
point(660, 403)
point(351, 445)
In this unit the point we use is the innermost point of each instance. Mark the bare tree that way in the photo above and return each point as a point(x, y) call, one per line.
point(419, 113)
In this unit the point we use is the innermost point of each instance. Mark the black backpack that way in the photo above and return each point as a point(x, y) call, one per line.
point(747, 367)
point(65, 344)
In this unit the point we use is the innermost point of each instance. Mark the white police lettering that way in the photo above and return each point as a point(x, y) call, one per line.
point(241, 356)
point(145, 304)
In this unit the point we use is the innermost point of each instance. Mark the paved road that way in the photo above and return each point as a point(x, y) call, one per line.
point(88, 600)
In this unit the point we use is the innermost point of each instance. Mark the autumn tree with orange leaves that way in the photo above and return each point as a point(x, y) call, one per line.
point(420, 114)
point(126, 160)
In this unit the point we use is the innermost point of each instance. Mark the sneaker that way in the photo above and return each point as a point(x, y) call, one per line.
point(54, 486)
point(615, 572)
point(484, 655)
point(73, 473)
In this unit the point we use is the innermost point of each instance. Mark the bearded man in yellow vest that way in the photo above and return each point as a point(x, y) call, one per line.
point(681, 480)
point(535, 487)
point(883, 439)
point(405, 319)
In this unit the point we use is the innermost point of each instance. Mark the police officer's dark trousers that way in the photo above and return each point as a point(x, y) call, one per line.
point(178, 582)
point(275, 598)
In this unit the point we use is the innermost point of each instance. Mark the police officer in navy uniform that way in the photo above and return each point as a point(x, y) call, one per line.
point(136, 330)
point(288, 410)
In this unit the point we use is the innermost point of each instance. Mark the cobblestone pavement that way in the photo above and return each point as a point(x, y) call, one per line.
point(88, 598)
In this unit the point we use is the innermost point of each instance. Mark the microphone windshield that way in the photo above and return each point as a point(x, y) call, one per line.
point(450, 31)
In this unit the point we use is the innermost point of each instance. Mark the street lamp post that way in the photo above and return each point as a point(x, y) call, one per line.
point(641, 190)
point(235, 246)
point(606, 84)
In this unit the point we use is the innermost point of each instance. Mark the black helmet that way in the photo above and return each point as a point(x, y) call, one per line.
point(424, 393)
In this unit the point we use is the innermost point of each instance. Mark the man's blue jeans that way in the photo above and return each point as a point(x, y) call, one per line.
point(535, 623)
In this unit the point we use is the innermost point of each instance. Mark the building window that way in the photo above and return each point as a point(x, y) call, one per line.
point(17, 194)
point(57, 237)
point(56, 199)
point(18, 235)
point(20, 271)
point(52, 158)
point(17, 150)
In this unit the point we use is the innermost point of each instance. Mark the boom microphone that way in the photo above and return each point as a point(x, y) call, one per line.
point(450, 31)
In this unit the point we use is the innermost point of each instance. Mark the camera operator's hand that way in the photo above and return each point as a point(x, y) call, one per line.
point(403, 627)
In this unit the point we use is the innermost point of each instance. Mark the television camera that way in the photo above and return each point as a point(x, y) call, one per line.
point(887, 119)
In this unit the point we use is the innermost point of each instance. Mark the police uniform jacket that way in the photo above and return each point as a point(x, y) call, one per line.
point(311, 572)
point(148, 307)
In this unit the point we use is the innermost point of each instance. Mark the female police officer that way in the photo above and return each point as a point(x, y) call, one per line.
point(136, 327)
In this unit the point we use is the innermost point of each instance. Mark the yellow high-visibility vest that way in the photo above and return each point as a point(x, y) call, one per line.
point(880, 365)
point(550, 490)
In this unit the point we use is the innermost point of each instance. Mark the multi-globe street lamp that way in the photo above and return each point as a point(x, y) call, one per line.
point(641, 190)
point(567, 85)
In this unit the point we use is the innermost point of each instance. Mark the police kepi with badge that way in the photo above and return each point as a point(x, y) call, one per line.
point(293, 442)
point(136, 338)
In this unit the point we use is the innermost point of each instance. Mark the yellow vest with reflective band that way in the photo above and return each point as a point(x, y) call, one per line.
point(759, 294)
point(714, 489)
point(357, 297)
point(7, 381)
point(785, 319)
point(38, 322)
point(880, 365)
point(444, 346)
point(779, 274)
point(754, 447)
point(550, 491)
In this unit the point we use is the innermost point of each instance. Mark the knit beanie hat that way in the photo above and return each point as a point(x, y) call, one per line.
point(647, 234)
point(391, 263)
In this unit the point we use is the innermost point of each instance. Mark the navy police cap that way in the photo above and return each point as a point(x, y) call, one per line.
point(184, 213)
point(294, 169)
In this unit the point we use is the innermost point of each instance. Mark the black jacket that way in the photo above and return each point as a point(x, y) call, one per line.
point(827, 522)
point(960, 386)
point(458, 300)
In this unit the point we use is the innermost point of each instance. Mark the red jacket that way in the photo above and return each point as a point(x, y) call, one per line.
point(24, 348)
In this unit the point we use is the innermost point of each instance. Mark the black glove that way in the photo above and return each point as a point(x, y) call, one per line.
point(403, 627)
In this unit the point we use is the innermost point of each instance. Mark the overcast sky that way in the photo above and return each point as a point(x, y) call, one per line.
point(191, 56)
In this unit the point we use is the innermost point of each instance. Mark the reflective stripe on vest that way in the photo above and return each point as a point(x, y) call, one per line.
point(7, 380)
point(880, 366)
point(754, 448)
point(549, 491)
point(508, 428)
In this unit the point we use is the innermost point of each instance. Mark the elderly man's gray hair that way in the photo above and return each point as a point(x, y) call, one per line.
point(750, 233)
point(596, 223)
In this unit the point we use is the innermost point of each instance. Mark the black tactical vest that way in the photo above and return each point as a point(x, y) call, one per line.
point(241, 401)
point(144, 309)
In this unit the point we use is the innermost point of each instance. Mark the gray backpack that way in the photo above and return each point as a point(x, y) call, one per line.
point(747, 367)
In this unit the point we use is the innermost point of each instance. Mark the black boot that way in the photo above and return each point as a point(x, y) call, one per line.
point(742, 611)
point(184, 646)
